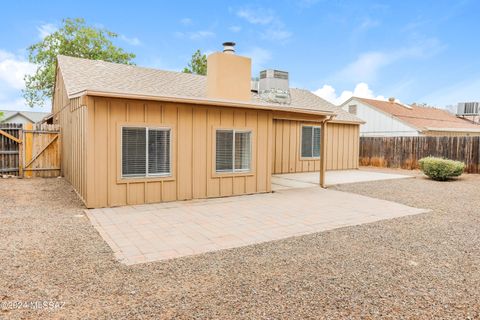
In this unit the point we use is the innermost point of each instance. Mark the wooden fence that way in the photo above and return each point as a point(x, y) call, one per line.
point(30, 151)
point(10, 136)
point(41, 150)
point(404, 152)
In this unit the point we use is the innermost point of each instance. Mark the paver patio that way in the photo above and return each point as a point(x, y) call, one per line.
point(154, 232)
point(311, 179)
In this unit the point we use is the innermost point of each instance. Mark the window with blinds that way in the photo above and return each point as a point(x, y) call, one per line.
point(310, 147)
point(233, 151)
point(145, 152)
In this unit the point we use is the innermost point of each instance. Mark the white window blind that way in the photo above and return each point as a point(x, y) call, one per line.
point(134, 152)
point(233, 151)
point(310, 142)
point(158, 151)
point(145, 152)
point(224, 151)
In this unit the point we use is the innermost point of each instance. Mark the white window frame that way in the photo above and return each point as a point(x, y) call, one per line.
point(233, 152)
point(147, 174)
point(313, 141)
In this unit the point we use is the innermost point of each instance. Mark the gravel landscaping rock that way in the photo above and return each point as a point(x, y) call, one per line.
point(424, 266)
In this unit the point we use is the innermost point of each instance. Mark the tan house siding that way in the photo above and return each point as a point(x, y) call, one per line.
point(342, 147)
point(71, 114)
point(192, 133)
point(343, 143)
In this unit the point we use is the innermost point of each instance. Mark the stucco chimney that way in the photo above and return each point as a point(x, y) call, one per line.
point(228, 75)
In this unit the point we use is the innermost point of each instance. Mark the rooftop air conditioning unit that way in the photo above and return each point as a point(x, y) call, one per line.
point(273, 86)
point(468, 109)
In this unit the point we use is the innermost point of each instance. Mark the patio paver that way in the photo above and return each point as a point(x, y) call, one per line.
point(170, 230)
point(312, 179)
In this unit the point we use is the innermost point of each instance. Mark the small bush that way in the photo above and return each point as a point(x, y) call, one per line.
point(441, 169)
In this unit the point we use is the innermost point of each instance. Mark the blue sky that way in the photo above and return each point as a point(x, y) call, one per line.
point(416, 51)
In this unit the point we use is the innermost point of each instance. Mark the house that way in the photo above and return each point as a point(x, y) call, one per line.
point(133, 135)
point(22, 117)
point(391, 118)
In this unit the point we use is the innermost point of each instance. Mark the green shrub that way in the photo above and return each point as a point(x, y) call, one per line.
point(441, 169)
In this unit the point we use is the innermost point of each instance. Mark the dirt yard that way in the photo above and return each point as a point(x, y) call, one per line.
point(425, 266)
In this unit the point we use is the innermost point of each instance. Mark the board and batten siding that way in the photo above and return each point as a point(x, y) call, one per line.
point(192, 159)
point(71, 115)
point(342, 147)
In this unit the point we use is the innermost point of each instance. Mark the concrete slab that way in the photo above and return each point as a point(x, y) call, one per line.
point(311, 179)
point(156, 232)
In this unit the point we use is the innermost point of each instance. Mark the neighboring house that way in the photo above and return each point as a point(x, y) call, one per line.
point(391, 118)
point(22, 117)
point(135, 135)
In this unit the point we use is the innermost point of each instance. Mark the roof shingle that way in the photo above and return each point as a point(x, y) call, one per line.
point(422, 118)
point(94, 75)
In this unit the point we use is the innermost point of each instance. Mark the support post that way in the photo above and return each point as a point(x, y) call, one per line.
point(323, 152)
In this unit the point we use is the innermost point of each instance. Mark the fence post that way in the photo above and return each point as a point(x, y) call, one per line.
point(27, 147)
point(20, 152)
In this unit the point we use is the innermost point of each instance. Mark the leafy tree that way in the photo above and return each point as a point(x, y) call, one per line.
point(74, 38)
point(198, 64)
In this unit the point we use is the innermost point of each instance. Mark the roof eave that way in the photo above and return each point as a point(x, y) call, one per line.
point(201, 101)
point(347, 121)
point(13, 115)
point(452, 129)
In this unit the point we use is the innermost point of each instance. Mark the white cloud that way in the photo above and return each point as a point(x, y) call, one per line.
point(46, 29)
point(131, 41)
point(277, 33)
point(19, 104)
point(306, 3)
point(368, 23)
point(186, 21)
point(201, 34)
point(12, 71)
point(195, 35)
point(257, 16)
point(259, 57)
point(235, 28)
point(274, 27)
point(367, 66)
point(361, 90)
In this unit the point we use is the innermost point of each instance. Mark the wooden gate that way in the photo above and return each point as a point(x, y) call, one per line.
point(30, 151)
point(41, 150)
point(10, 149)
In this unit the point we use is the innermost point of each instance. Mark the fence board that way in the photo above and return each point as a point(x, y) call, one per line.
point(9, 149)
point(42, 150)
point(404, 152)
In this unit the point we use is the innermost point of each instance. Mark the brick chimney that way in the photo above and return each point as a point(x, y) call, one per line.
point(229, 75)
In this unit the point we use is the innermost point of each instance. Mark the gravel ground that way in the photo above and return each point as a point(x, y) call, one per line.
point(425, 266)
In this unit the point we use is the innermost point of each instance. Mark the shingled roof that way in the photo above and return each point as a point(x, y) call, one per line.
point(422, 118)
point(32, 116)
point(83, 75)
